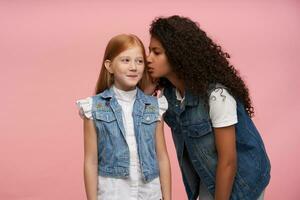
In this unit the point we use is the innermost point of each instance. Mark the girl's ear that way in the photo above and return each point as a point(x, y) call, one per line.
point(107, 64)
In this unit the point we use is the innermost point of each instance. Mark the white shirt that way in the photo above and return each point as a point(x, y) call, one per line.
point(134, 187)
point(222, 107)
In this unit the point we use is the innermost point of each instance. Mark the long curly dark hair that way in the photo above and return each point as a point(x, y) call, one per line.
point(196, 59)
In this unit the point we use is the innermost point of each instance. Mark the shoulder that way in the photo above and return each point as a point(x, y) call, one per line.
point(162, 102)
point(222, 107)
point(162, 105)
point(102, 97)
point(220, 94)
point(85, 107)
point(149, 99)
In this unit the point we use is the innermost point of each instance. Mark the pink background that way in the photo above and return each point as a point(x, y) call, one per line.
point(50, 54)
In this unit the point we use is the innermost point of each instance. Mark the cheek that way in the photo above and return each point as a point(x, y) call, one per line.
point(163, 62)
point(141, 69)
point(117, 68)
point(165, 67)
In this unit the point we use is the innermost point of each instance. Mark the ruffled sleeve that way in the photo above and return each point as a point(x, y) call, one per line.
point(162, 105)
point(222, 108)
point(85, 107)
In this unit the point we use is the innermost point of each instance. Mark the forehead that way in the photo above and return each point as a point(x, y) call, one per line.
point(155, 43)
point(132, 51)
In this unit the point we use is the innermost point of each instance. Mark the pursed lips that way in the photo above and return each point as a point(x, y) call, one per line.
point(150, 69)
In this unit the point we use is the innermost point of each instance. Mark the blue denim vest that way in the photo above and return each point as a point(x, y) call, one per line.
point(113, 150)
point(193, 137)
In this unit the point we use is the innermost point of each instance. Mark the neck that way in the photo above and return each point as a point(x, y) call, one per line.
point(126, 89)
point(178, 83)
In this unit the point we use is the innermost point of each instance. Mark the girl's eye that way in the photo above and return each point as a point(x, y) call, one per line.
point(140, 61)
point(125, 60)
point(156, 53)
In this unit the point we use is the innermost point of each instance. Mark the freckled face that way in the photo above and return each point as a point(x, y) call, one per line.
point(158, 64)
point(128, 68)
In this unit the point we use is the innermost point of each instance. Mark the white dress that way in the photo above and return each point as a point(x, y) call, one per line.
point(134, 187)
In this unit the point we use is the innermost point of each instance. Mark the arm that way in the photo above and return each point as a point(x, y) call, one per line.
point(163, 162)
point(227, 161)
point(90, 159)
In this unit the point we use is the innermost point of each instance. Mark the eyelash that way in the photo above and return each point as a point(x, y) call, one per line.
point(155, 52)
point(140, 61)
point(126, 60)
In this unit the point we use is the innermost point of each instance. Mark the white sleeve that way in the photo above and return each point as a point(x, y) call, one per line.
point(222, 108)
point(85, 107)
point(162, 105)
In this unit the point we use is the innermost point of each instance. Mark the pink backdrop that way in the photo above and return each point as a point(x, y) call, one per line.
point(50, 54)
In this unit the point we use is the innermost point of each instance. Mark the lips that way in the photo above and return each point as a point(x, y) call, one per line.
point(132, 76)
point(150, 69)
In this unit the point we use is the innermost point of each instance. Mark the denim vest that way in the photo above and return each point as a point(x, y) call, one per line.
point(113, 150)
point(193, 137)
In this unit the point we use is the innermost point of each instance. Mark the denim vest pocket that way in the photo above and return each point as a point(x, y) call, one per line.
point(199, 130)
point(105, 116)
point(149, 122)
point(149, 118)
point(107, 122)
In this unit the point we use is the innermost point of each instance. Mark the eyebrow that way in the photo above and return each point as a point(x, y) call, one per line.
point(130, 56)
point(154, 48)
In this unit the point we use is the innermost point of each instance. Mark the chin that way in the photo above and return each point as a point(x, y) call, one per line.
point(153, 75)
point(132, 85)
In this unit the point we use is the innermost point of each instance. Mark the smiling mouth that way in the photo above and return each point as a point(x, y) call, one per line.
point(132, 76)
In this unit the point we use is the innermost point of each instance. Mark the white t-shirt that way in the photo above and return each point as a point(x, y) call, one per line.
point(134, 187)
point(222, 107)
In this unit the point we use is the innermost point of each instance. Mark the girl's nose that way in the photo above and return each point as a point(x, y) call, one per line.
point(133, 66)
point(149, 59)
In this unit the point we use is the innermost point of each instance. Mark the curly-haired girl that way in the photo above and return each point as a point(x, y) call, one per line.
point(220, 151)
